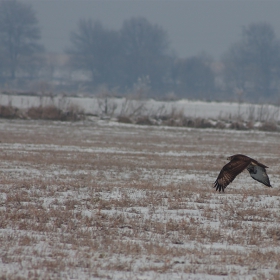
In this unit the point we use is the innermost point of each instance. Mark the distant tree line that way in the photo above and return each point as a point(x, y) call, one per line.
point(138, 57)
point(19, 39)
point(252, 65)
point(119, 58)
point(139, 50)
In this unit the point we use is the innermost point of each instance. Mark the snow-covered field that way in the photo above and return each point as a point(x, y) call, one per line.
point(104, 200)
point(119, 106)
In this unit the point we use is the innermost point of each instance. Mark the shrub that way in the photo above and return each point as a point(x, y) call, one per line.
point(35, 113)
point(124, 119)
point(269, 126)
point(144, 120)
point(54, 113)
point(9, 112)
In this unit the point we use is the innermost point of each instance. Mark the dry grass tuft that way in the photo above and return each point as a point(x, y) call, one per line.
point(9, 112)
point(54, 113)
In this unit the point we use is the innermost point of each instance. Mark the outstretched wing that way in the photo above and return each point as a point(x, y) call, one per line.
point(229, 172)
point(258, 173)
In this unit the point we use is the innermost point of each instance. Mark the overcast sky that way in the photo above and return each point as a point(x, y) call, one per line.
point(192, 26)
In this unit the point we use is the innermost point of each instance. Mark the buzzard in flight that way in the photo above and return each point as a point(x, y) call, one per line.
point(237, 164)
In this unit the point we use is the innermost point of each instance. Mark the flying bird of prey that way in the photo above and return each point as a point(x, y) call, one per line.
point(237, 164)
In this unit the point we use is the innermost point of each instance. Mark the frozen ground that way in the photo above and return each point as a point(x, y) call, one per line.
point(103, 200)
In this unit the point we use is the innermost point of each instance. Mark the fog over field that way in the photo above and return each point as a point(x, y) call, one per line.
point(199, 50)
point(193, 26)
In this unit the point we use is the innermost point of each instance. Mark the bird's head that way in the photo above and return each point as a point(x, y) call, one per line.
point(230, 158)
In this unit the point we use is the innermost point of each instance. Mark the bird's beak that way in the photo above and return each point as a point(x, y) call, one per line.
point(228, 158)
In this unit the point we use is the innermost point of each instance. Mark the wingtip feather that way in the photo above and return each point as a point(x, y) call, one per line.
point(218, 187)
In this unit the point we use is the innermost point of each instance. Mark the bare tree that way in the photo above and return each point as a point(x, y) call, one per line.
point(253, 64)
point(95, 49)
point(193, 77)
point(19, 35)
point(120, 58)
point(144, 48)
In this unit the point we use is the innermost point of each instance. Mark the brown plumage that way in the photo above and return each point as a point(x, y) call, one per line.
point(237, 164)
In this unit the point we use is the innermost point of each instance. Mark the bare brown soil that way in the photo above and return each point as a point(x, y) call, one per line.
point(98, 200)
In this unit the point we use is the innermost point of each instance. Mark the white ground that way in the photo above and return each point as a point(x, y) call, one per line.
point(118, 106)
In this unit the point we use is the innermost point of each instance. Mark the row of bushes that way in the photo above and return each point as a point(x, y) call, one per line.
point(50, 112)
point(73, 113)
point(183, 121)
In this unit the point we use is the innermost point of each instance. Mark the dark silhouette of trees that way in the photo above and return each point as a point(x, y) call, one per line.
point(120, 58)
point(19, 37)
point(96, 49)
point(193, 77)
point(252, 65)
point(144, 52)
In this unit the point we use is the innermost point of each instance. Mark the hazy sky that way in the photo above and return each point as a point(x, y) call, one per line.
point(192, 26)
